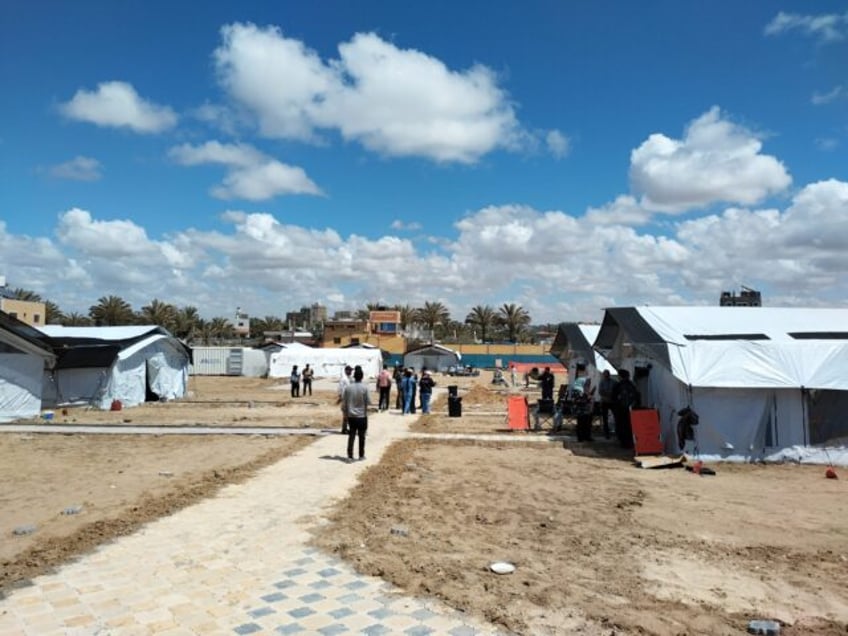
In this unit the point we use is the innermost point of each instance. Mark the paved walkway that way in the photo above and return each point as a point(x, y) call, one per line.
point(237, 563)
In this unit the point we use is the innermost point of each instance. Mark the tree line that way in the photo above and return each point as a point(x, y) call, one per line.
point(484, 323)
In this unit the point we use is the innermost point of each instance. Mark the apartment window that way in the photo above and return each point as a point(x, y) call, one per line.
point(13, 314)
point(337, 340)
point(36, 318)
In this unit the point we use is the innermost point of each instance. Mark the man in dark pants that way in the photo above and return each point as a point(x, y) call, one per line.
point(546, 381)
point(625, 396)
point(605, 388)
point(355, 403)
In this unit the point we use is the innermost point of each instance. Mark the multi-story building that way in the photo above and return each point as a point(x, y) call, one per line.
point(382, 329)
point(311, 317)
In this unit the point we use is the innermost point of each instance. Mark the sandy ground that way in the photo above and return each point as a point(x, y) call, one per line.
point(600, 547)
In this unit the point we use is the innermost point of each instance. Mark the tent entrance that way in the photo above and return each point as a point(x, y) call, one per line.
point(150, 373)
point(827, 422)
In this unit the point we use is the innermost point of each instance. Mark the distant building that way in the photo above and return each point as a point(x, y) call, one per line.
point(747, 298)
point(382, 329)
point(242, 323)
point(311, 317)
point(28, 311)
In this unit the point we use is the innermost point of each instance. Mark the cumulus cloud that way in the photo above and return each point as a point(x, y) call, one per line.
point(117, 104)
point(393, 101)
point(77, 169)
point(558, 266)
point(251, 174)
point(625, 210)
point(716, 160)
point(826, 28)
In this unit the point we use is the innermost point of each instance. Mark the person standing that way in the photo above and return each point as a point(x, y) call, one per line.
point(546, 381)
point(425, 389)
point(605, 387)
point(355, 403)
point(625, 396)
point(384, 386)
point(408, 388)
point(398, 378)
point(295, 382)
point(306, 378)
point(344, 382)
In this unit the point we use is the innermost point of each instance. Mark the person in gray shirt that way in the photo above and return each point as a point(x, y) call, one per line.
point(355, 402)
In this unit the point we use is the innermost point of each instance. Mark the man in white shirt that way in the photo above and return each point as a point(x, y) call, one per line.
point(344, 382)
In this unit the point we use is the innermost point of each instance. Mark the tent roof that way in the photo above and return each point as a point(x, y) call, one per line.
point(98, 346)
point(434, 349)
point(575, 340)
point(24, 337)
point(735, 346)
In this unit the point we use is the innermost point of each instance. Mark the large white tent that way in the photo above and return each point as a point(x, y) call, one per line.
point(766, 383)
point(326, 362)
point(98, 365)
point(435, 357)
point(24, 355)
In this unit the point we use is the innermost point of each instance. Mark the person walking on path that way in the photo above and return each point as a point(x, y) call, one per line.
point(295, 382)
point(306, 377)
point(425, 389)
point(408, 388)
point(384, 385)
point(344, 382)
point(355, 403)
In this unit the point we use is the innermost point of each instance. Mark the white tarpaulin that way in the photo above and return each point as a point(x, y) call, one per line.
point(765, 382)
point(20, 385)
point(149, 368)
point(327, 362)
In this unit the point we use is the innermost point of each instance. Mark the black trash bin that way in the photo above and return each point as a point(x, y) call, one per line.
point(452, 390)
point(454, 406)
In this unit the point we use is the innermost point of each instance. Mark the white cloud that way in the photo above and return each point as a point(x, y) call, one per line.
point(117, 104)
point(251, 174)
point(716, 160)
point(625, 210)
point(410, 226)
point(826, 28)
point(825, 98)
point(558, 266)
point(77, 169)
point(396, 102)
point(558, 144)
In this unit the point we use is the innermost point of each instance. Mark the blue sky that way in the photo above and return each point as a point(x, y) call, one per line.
point(564, 156)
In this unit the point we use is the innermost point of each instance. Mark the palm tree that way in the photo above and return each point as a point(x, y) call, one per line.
point(221, 328)
point(514, 318)
point(159, 313)
point(484, 318)
point(26, 294)
point(407, 315)
point(258, 326)
point(52, 314)
point(75, 319)
point(432, 314)
point(204, 331)
point(185, 322)
point(111, 311)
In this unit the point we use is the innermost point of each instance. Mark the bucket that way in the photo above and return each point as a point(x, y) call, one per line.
point(47, 415)
point(116, 405)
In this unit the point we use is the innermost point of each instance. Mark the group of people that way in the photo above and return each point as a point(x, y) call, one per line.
point(615, 397)
point(354, 398)
point(304, 378)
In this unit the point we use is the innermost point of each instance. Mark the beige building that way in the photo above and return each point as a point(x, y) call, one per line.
point(382, 329)
point(32, 313)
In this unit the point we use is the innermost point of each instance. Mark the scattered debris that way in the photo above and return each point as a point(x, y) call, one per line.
point(767, 628)
point(27, 529)
point(72, 510)
point(400, 531)
point(502, 567)
point(166, 473)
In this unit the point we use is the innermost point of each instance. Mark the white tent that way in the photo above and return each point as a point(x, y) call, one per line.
point(435, 357)
point(572, 346)
point(24, 355)
point(327, 362)
point(98, 365)
point(767, 383)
